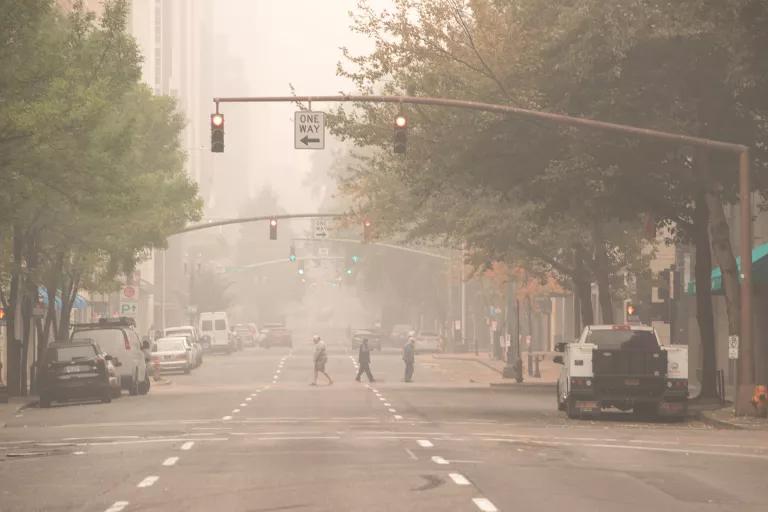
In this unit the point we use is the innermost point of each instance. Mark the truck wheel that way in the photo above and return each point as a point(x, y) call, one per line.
point(560, 403)
point(571, 410)
point(106, 397)
point(646, 411)
point(144, 388)
point(133, 386)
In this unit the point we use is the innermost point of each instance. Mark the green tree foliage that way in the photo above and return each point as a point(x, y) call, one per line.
point(92, 167)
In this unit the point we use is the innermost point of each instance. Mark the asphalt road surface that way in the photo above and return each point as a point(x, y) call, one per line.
point(247, 433)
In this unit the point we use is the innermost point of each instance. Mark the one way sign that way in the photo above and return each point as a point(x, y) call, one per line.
point(309, 130)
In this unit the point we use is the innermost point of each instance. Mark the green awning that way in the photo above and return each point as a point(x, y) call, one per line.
point(759, 271)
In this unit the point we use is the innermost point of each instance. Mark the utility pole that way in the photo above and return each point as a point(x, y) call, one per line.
point(463, 299)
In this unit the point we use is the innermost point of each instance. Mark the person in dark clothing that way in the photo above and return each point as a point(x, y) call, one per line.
point(409, 357)
point(364, 360)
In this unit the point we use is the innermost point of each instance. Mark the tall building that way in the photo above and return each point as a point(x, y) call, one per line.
point(175, 39)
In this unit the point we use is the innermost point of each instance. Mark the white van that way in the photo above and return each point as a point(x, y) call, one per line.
point(215, 326)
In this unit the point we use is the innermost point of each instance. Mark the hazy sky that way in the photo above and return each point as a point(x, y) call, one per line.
point(274, 43)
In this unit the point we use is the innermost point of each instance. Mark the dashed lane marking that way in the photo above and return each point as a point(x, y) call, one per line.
point(387, 404)
point(248, 399)
point(170, 461)
point(439, 460)
point(188, 445)
point(149, 481)
point(78, 453)
point(392, 410)
point(398, 417)
point(485, 505)
point(117, 506)
point(235, 411)
point(458, 478)
point(227, 418)
point(243, 404)
point(424, 443)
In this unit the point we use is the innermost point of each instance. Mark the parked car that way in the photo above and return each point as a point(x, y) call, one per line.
point(190, 332)
point(77, 370)
point(117, 338)
point(276, 335)
point(193, 337)
point(373, 336)
point(172, 354)
point(427, 341)
point(246, 334)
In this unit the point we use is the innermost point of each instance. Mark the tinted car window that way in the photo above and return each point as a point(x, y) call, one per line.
point(623, 340)
point(170, 346)
point(111, 341)
point(70, 353)
point(221, 325)
point(207, 325)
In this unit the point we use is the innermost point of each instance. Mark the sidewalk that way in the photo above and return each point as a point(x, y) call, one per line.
point(723, 417)
point(549, 371)
point(14, 406)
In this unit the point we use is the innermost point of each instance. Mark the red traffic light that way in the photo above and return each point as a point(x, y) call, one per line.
point(273, 229)
point(401, 121)
point(217, 119)
point(273, 222)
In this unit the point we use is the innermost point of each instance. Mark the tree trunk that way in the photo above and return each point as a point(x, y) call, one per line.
point(724, 257)
point(704, 313)
point(603, 275)
point(582, 287)
point(68, 295)
point(14, 347)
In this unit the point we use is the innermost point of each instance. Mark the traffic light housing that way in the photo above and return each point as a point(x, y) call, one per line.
point(217, 133)
point(273, 229)
point(400, 139)
point(292, 257)
point(367, 230)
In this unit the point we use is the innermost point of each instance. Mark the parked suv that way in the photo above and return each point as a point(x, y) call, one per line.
point(77, 370)
point(117, 338)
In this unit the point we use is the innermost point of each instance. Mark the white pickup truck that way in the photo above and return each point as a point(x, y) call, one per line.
point(622, 366)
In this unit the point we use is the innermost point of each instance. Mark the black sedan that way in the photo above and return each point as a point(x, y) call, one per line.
point(76, 370)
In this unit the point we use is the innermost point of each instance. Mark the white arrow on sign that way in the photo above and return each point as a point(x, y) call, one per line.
point(309, 130)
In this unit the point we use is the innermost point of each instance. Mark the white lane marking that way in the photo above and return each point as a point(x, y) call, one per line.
point(149, 481)
point(227, 418)
point(145, 441)
point(439, 460)
point(295, 438)
point(485, 505)
point(188, 445)
point(117, 506)
point(253, 394)
point(243, 404)
point(170, 461)
point(278, 371)
point(424, 443)
point(235, 411)
point(411, 454)
point(78, 453)
point(374, 390)
point(387, 404)
point(458, 479)
point(398, 417)
point(98, 437)
point(392, 410)
point(248, 399)
point(382, 399)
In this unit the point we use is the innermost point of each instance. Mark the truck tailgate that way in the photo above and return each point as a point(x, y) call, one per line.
point(629, 363)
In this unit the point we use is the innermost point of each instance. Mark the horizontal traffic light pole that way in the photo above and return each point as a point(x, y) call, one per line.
point(746, 361)
point(242, 220)
point(376, 244)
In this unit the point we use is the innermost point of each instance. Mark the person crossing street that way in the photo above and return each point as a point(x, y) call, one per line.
point(321, 358)
point(364, 361)
point(409, 357)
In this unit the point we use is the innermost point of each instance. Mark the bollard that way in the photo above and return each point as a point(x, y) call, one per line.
point(530, 364)
point(536, 372)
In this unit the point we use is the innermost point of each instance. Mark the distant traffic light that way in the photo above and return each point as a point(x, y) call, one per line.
point(401, 134)
point(367, 230)
point(292, 257)
point(273, 229)
point(301, 268)
point(355, 258)
point(217, 133)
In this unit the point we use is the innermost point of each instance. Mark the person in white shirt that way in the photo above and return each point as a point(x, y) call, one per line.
point(321, 357)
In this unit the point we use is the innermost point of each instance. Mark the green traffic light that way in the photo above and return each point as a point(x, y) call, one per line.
point(349, 271)
point(292, 257)
point(355, 259)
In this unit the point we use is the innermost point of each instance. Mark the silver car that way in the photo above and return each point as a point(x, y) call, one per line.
point(172, 354)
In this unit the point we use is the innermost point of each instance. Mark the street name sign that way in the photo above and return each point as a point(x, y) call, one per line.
point(319, 227)
point(309, 130)
point(733, 346)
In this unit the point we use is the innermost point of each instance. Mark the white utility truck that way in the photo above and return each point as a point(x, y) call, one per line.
point(622, 366)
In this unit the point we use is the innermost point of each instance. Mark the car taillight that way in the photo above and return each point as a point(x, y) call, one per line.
point(126, 341)
point(677, 383)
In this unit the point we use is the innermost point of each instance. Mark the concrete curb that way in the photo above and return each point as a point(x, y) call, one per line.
point(703, 417)
point(504, 386)
point(472, 359)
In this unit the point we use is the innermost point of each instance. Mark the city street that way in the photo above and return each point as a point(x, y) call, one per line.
point(246, 432)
